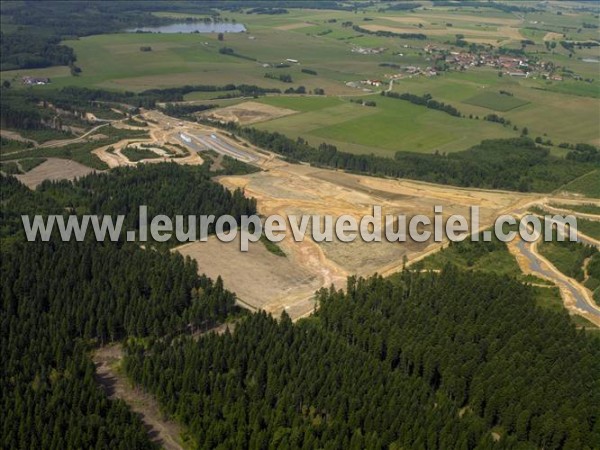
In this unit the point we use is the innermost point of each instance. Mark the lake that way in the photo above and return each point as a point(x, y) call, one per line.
point(193, 27)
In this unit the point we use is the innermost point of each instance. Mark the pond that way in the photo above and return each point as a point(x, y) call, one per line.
point(194, 27)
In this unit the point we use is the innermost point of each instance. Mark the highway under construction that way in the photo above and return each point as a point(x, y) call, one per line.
point(199, 142)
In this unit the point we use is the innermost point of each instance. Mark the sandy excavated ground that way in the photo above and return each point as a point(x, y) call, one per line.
point(287, 189)
point(54, 169)
point(247, 113)
point(261, 279)
point(160, 134)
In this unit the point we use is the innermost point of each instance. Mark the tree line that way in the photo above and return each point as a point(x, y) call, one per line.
point(28, 109)
point(385, 33)
point(125, 188)
point(186, 111)
point(425, 100)
point(515, 164)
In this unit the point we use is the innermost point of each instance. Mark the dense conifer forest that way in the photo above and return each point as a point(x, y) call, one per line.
point(165, 188)
point(61, 299)
point(424, 361)
point(452, 360)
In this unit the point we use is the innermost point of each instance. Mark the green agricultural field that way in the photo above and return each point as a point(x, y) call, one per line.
point(558, 111)
point(391, 126)
point(496, 101)
point(560, 117)
point(302, 104)
point(580, 88)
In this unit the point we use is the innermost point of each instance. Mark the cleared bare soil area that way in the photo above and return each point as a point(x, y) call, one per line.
point(162, 431)
point(260, 279)
point(266, 281)
point(247, 113)
point(54, 169)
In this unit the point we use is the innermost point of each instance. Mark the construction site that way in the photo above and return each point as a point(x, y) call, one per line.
point(264, 280)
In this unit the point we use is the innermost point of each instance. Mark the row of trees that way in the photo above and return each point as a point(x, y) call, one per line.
point(425, 100)
point(516, 164)
point(283, 77)
point(186, 111)
point(384, 33)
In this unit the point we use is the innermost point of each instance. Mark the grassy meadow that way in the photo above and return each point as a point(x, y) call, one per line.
point(560, 111)
point(391, 126)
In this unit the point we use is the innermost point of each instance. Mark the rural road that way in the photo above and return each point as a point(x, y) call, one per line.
point(576, 294)
point(577, 214)
point(64, 142)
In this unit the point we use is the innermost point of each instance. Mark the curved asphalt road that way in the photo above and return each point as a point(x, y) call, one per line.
point(580, 300)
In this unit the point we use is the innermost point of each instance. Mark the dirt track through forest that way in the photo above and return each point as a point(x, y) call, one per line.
point(162, 431)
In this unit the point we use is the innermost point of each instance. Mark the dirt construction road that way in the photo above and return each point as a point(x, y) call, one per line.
point(164, 432)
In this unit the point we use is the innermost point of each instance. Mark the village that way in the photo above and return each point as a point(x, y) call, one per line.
point(511, 65)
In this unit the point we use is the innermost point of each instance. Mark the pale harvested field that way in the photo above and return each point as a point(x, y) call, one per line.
point(502, 32)
point(248, 113)
point(453, 17)
point(551, 36)
point(54, 169)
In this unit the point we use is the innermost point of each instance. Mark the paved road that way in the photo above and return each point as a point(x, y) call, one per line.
point(200, 142)
point(540, 267)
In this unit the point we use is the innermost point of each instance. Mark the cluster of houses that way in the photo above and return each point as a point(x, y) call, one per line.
point(368, 50)
point(375, 83)
point(34, 81)
point(509, 65)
